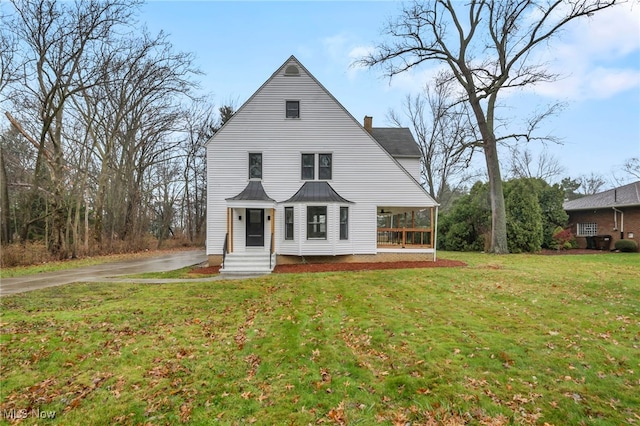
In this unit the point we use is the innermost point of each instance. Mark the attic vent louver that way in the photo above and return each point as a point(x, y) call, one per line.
point(291, 70)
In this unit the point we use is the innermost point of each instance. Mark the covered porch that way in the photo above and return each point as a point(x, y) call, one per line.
point(249, 240)
point(406, 228)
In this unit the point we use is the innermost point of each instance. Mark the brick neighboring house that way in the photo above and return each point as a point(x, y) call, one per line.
point(615, 213)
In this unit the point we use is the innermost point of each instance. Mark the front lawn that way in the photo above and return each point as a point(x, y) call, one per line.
point(516, 339)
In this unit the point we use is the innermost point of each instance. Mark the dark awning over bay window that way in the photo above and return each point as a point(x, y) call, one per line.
point(316, 192)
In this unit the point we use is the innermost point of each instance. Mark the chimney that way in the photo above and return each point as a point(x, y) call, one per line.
point(368, 123)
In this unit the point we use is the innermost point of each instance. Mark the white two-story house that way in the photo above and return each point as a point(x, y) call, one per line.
point(293, 177)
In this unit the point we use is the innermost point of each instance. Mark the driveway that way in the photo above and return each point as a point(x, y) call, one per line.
point(160, 263)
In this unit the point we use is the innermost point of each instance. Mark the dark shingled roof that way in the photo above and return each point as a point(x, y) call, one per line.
point(398, 141)
point(627, 195)
point(316, 192)
point(253, 192)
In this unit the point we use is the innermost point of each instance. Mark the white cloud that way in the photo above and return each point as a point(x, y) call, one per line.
point(355, 54)
point(335, 46)
point(593, 56)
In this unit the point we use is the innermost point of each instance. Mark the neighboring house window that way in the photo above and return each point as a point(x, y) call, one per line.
point(308, 166)
point(587, 229)
point(288, 223)
point(317, 223)
point(293, 109)
point(324, 166)
point(344, 223)
point(255, 165)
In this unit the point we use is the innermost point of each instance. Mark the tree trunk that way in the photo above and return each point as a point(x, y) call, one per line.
point(75, 228)
point(498, 210)
point(86, 225)
point(5, 229)
point(498, 242)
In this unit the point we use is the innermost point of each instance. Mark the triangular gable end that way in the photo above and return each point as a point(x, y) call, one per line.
point(292, 60)
point(242, 107)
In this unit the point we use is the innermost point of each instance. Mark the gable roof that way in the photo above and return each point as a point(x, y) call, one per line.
point(254, 191)
point(622, 196)
point(292, 60)
point(397, 141)
point(316, 191)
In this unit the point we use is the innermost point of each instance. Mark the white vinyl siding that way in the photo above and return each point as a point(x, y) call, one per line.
point(412, 165)
point(362, 171)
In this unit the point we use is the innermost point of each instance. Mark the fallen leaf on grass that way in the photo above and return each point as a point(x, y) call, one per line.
point(185, 412)
point(337, 415)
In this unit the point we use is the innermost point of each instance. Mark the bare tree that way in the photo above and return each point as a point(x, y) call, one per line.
point(445, 135)
point(131, 117)
point(200, 125)
point(58, 41)
point(632, 167)
point(592, 183)
point(9, 72)
point(523, 164)
point(487, 47)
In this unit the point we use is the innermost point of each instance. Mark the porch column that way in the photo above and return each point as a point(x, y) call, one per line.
point(273, 222)
point(433, 231)
point(228, 229)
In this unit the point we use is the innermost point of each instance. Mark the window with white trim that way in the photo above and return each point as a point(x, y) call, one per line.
point(308, 167)
point(255, 165)
point(587, 229)
point(292, 109)
point(316, 222)
point(288, 223)
point(344, 223)
point(324, 165)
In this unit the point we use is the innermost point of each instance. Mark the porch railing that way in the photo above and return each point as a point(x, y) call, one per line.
point(270, 251)
point(225, 248)
point(404, 237)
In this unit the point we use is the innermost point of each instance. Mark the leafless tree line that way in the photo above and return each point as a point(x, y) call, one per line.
point(103, 134)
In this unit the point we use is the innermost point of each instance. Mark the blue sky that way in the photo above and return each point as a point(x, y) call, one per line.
point(238, 45)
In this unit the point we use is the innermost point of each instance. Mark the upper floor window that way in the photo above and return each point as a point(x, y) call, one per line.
point(255, 165)
point(324, 166)
point(293, 109)
point(308, 166)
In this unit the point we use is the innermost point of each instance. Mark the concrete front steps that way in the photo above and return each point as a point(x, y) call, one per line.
point(248, 262)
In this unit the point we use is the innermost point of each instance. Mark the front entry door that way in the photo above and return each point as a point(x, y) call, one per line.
point(255, 228)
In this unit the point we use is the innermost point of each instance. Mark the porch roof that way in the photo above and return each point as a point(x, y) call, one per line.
point(317, 192)
point(254, 191)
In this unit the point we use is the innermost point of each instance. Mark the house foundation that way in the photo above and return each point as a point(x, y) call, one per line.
point(357, 258)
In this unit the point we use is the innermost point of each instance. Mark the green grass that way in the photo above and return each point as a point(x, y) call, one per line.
point(178, 273)
point(515, 339)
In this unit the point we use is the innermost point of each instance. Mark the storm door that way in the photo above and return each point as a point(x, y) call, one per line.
point(255, 228)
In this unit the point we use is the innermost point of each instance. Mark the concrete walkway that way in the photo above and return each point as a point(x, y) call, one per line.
point(108, 272)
